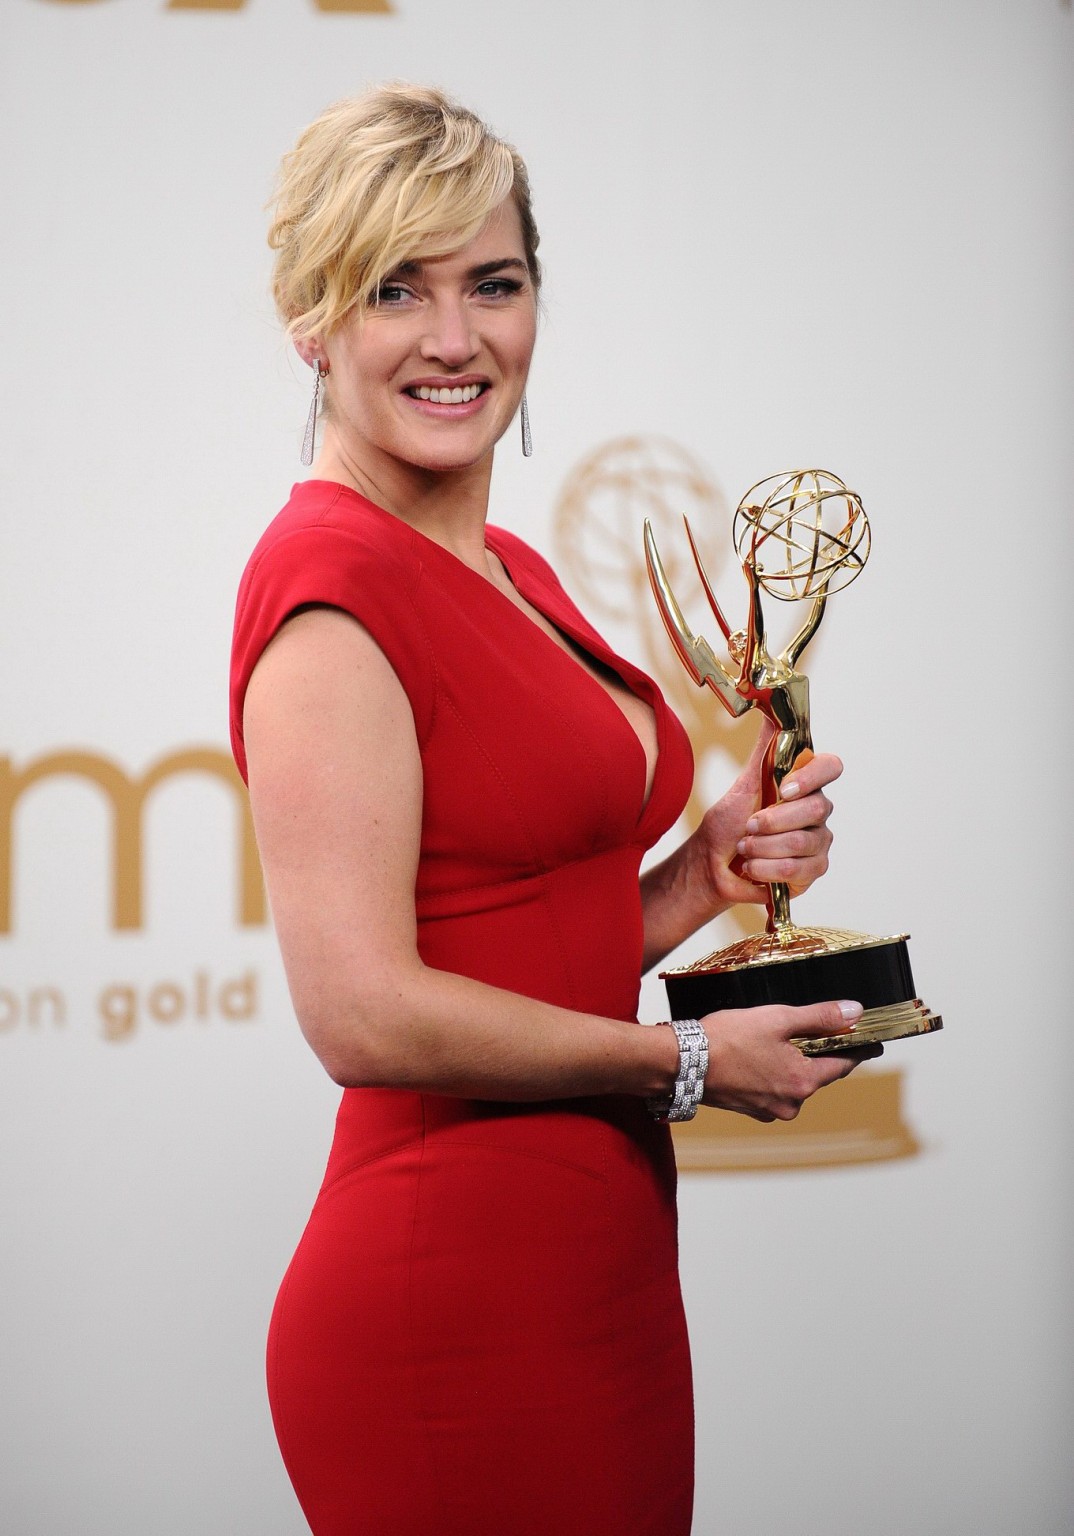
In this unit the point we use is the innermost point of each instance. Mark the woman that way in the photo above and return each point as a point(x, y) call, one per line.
point(454, 781)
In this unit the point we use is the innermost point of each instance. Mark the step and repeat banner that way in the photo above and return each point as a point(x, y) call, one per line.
point(773, 235)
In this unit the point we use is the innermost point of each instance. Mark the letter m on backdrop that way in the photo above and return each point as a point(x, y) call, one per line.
point(127, 796)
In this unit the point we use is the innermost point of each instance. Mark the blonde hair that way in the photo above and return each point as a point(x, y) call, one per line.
point(400, 173)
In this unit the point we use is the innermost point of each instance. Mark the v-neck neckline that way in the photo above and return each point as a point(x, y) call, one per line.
point(585, 642)
point(590, 642)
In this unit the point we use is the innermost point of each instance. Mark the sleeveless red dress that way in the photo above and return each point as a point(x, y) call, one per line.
point(481, 1332)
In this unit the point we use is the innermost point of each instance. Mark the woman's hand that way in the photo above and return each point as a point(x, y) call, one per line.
point(739, 850)
point(755, 1070)
point(742, 849)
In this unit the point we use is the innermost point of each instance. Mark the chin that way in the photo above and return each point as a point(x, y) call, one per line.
point(444, 460)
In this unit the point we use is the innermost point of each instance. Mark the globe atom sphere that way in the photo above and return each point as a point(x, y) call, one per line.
point(802, 532)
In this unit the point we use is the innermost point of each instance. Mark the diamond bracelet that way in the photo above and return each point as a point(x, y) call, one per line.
point(682, 1102)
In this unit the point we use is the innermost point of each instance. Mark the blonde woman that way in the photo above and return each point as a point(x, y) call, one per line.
point(454, 781)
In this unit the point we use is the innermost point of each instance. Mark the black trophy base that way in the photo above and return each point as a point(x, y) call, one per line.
point(809, 965)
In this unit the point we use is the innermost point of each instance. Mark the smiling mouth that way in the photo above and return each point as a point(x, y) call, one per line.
point(458, 394)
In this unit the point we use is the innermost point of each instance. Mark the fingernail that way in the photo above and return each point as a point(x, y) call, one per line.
point(789, 788)
point(851, 1012)
point(752, 825)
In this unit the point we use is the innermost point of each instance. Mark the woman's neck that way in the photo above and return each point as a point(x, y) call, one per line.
point(448, 506)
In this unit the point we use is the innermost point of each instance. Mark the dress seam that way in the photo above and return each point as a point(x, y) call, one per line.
point(415, 1370)
point(544, 871)
point(537, 1157)
point(367, 1162)
point(539, 874)
point(505, 787)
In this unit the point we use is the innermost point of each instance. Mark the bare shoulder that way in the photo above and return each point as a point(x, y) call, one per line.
point(321, 666)
point(325, 713)
point(318, 648)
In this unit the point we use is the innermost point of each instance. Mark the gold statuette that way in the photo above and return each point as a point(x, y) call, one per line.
point(800, 537)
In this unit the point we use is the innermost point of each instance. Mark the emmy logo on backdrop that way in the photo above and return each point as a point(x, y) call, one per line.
point(800, 537)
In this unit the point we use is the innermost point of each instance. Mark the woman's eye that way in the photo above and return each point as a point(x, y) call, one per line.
point(497, 287)
point(391, 293)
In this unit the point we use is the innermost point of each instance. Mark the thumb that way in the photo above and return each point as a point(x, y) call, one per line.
point(824, 1018)
point(749, 780)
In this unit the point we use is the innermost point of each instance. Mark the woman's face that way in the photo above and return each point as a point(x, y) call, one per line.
point(433, 373)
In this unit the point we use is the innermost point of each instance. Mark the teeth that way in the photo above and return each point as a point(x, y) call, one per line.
point(461, 394)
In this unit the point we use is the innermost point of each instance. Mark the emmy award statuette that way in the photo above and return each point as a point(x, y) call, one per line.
point(800, 537)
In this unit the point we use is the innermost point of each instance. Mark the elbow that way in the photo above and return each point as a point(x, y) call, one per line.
point(348, 1058)
point(346, 1068)
point(359, 1044)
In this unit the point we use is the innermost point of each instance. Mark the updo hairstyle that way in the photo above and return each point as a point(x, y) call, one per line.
point(398, 174)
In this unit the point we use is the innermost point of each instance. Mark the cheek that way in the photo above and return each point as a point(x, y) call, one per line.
point(359, 383)
point(522, 344)
point(365, 356)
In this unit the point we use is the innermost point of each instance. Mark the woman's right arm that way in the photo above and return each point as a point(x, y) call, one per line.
point(336, 789)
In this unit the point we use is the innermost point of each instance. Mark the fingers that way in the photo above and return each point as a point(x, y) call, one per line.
point(790, 816)
point(790, 841)
point(760, 747)
point(810, 773)
point(749, 780)
point(756, 1069)
point(841, 1064)
point(863, 1053)
point(836, 1018)
point(797, 857)
point(801, 803)
point(820, 1071)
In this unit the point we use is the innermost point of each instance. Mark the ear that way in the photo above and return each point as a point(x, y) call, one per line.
point(311, 351)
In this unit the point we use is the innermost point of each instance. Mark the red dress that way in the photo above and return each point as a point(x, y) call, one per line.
point(482, 1333)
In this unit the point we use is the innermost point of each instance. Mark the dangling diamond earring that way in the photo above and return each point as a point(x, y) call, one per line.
point(320, 371)
point(524, 417)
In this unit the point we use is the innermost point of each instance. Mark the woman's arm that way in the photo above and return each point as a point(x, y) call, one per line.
point(738, 850)
point(336, 789)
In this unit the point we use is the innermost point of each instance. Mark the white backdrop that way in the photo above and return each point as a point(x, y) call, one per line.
point(773, 234)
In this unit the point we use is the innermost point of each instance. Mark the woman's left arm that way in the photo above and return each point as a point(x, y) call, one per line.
point(738, 850)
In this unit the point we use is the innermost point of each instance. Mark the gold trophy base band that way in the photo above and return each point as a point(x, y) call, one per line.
point(897, 1021)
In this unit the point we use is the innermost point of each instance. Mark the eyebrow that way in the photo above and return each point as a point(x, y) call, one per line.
point(487, 268)
point(474, 274)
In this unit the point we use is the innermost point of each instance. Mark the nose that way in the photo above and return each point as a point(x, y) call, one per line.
point(450, 337)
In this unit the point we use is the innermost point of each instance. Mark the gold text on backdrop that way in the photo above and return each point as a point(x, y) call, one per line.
point(128, 795)
point(123, 1006)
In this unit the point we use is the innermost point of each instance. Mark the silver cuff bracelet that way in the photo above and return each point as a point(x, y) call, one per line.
point(682, 1102)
